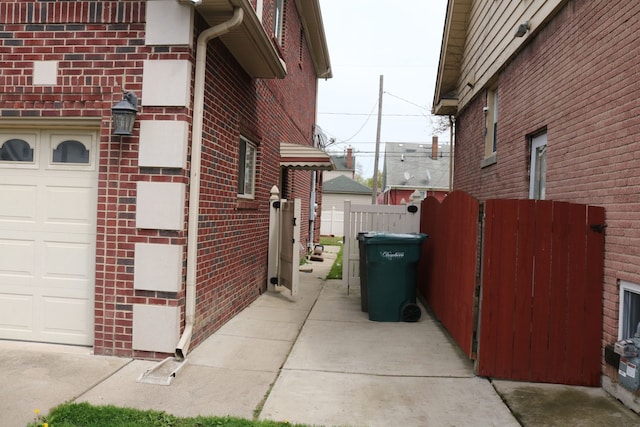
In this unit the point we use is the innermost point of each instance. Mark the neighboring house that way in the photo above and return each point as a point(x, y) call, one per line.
point(144, 244)
point(345, 165)
point(544, 95)
point(334, 192)
point(410, 167)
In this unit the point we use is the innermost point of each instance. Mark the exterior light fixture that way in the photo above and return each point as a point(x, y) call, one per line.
point(124, 114)
point(522, 29)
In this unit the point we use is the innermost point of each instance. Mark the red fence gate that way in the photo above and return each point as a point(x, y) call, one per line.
point(540, 311)
point(448, 265)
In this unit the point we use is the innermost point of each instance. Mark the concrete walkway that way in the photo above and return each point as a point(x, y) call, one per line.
point(315, 359)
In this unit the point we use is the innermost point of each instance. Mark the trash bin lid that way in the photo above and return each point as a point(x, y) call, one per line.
point(362, 235)
point(394, 238)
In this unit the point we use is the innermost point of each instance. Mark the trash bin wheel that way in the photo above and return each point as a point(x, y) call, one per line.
point(411, 312)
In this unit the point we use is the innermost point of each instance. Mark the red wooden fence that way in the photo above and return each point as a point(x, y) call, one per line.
point(541, 306)
point(540, 312)
point(448, 265)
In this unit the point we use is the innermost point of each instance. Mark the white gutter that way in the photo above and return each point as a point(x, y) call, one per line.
point(194, 178)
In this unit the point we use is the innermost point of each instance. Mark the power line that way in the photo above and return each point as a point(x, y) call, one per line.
point(359, 130)
point(407, 101)
point(365, 114)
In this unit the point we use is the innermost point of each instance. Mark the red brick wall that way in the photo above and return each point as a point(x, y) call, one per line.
point(268, 112)
point(578, 79)
point(100, 43)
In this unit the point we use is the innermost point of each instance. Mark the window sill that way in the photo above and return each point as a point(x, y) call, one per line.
point(245, 205)
point(491, 160)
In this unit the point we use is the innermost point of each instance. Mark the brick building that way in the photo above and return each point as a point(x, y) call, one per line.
point(142, 244)
point(544, 95)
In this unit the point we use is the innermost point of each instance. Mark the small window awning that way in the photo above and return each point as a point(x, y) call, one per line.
point(304, 157)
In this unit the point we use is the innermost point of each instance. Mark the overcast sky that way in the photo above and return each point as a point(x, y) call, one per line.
point(399, 40)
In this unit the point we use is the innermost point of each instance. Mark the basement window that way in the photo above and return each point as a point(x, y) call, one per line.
point(629, 312)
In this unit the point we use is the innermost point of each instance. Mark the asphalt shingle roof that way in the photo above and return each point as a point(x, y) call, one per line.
point(344, 185)
point(340, 162)
point(411, 165)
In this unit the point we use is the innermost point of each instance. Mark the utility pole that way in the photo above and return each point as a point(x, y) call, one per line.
point(374, 194)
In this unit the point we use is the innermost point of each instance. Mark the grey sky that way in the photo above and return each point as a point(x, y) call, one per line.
point(369, 38)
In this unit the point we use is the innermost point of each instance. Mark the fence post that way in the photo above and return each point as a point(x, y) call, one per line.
point(274, 237)
point(346, 244)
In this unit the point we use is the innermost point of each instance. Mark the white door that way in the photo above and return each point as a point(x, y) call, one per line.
point(48, 202)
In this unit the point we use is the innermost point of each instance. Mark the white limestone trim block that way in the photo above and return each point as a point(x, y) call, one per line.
point(163, 143)
point(168, 23)
point(157, 267)
point(160, 205)
point(166, 82)
point(155, 327)
point(45, 73)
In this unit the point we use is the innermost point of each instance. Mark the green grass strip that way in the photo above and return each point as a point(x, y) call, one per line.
point(86, 415)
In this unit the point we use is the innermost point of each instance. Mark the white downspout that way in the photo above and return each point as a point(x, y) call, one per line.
point(194, 178)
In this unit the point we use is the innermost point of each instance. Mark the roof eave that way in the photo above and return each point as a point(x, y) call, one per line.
point(446, 107)
point(249, 43)
point(311, 17)
point(451, 51)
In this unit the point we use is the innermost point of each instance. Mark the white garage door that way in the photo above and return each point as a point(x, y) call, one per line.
point(48, 202)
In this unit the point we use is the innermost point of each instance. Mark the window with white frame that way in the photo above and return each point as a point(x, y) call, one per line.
point(491, 123)
point(629, 311)
point(278, 20)
point(246, 168)
point(538, 165)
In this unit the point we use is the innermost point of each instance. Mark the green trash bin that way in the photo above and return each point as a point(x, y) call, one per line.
point(362, 266)
point(391, 260)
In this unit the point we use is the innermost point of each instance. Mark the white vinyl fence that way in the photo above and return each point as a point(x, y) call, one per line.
point(332, 222)
point(380, 218)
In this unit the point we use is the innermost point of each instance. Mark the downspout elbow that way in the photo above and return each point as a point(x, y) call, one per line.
point(194, 177)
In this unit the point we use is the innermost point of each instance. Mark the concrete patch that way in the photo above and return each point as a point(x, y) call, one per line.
point(547, 405)
point(40, 376)
point(197, 390)
point(331, 399)
point(254, 328)
point(232, 352)
point(377, 348)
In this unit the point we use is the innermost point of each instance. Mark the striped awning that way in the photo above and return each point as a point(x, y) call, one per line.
point(304, 157)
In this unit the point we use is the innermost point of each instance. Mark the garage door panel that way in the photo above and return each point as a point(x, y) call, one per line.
point(67, 288)
point(16, 315)
point(69, 205)
point(17, 258)
point(18, 203)
point(68, 260)
point(67, 316)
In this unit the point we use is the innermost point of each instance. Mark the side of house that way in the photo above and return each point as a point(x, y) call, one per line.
point(144, 244)
point(544, 95)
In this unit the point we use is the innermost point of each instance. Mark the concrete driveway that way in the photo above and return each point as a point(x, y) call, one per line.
point(315, 359)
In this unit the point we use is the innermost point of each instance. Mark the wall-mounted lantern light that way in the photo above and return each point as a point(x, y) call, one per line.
point(124, 114)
